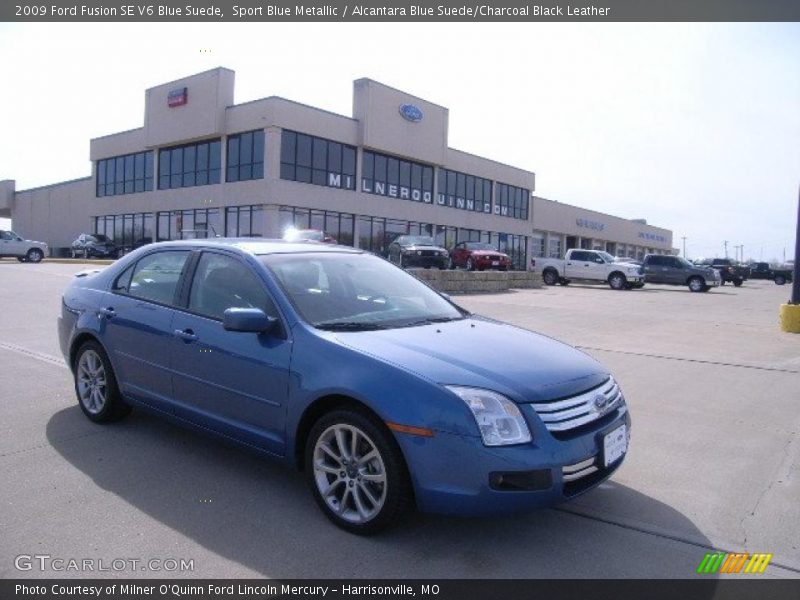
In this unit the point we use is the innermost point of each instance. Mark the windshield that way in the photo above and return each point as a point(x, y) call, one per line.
point(607, 257)
point(416, 240)
point(98, 237)
point(480, 246)
point(684, 263)
point(344, 291)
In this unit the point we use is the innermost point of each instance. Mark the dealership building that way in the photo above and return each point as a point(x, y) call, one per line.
point(203, 166)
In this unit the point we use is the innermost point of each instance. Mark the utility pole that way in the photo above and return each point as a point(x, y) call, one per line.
point(725, 243)
point(684, 246)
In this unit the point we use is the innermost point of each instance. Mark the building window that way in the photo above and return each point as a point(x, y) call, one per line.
point(537, 245)
point(243, 221)
point(189, 165)
point(128, 174)
point(511, 201)
point(126, 231)
point(245, 156)
point(467, 192)
point(554, 247)
point(336, 224)
point(388, 176)
point(310, 159)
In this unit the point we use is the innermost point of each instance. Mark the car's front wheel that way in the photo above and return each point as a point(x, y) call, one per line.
point(696, 284)
point(356, 472)
point(34, 255)
point(550, 277)
point(617, 281)
point(780, 280)
point(96, 386)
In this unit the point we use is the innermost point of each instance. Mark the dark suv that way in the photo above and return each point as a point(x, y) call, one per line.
point(674, 270)
point(728, 270)
point(418, 251)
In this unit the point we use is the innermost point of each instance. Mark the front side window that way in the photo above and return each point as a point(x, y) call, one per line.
point(356, 292)
point(222, 282)
point(155, 277)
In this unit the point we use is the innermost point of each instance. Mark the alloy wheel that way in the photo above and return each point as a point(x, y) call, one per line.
point(92, 383)
point(350, 473)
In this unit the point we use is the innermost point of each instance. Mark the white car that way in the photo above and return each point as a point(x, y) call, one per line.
point(590, 265)
point(12, 245)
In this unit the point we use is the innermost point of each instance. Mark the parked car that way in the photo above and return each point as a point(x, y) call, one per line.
point(675, 270)
point(762, 270)
point(308, 235)
point(385, 393)
point(729, 271)
point(12, 245)
point(478, 256)
point(94, 245)
point(589, 265)
point(417, 251)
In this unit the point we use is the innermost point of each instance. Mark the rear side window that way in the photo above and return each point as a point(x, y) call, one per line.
point(222, 282)
point(155, 277)
point(656, 261)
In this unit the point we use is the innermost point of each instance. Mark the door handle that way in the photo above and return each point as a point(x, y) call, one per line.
point(187, 335)
point(108, 313)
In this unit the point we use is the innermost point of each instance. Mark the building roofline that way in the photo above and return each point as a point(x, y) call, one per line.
point(49, 185)
point(394, 89)
point(497, 162)
point(605, 214)
point(303, 104)
point(211, 70)
point(108, 135)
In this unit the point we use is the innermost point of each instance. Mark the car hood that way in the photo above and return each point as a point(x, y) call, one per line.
point(489, 253)
point(626, 264)
point(478, 352)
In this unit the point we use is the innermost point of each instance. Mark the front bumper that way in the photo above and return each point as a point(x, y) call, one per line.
point(486, 263)
point(457, 475)
point(414, 260)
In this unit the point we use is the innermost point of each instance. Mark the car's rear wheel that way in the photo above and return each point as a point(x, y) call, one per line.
point(780, 279)
point(34, 255)
point(738, 282)
point(550, 277)
point(96, 386)
point(696, 284)
point(356, 472)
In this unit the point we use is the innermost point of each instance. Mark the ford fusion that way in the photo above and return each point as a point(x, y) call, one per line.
point(386, 394)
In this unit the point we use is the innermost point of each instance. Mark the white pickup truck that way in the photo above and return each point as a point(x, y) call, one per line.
point(590, 265)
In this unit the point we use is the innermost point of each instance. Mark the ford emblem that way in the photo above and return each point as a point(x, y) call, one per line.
point(600, 402)
point(411, 113)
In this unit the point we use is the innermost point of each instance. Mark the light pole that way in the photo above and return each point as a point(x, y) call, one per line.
point(725, 243)
point(684, 246)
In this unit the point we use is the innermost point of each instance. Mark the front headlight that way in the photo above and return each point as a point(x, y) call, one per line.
point(499, 420)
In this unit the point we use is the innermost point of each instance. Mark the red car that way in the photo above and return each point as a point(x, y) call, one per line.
point(478, 255)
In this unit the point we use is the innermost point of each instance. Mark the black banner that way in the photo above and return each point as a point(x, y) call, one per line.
point(446, 589)
point(399, 10)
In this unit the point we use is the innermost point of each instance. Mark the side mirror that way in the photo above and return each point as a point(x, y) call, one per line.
point(253, 320)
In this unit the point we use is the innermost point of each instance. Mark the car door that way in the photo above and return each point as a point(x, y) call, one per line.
point(674, 272)
point(460, 254)
point(235, 383)
point(136, 327)
point(10, 244)
point(578, 266)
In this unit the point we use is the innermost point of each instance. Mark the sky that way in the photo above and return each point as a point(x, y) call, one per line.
point(694, 127)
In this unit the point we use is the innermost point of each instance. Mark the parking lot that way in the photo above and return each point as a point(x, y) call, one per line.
point(713, 388)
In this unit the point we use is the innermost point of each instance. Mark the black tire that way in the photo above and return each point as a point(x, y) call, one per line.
point(113, 407)
point(34, 255)
point(780, 280)
point(696, 284)
point(617, 281)
point(22, 259)
point(550, 277)
point(722, 282)
point(738, 282)
point(451, 264)
point(395, 493)
point(503, 268)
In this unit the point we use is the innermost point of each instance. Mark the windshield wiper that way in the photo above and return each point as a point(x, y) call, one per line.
point(348, 326)
point(431, 320)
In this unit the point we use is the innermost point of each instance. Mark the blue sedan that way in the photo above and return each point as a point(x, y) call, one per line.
point(384, 392)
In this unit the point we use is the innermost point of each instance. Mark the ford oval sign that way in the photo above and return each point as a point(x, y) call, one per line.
point(411, 113)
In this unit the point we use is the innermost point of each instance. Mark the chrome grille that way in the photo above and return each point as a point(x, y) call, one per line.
point(570, 413)
point(578, 470)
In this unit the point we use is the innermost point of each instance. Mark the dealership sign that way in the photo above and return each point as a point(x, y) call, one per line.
point(177, 97)
point(395, 191)
point(411, 113)
point(456, 202)
point(587, 224)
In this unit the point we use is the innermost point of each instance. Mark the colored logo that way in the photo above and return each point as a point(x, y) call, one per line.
point(411, 113)
point(177, 97)
point(743, 562)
